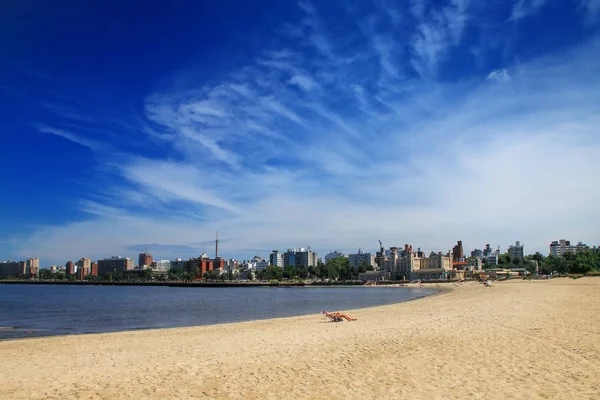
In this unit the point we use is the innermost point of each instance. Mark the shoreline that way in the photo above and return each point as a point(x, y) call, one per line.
point(23, 331)
point(517, 339)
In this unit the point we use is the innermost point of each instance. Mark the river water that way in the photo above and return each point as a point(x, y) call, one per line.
point(49, 310)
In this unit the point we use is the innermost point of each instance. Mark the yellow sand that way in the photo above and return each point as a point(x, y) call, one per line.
point(515, 340)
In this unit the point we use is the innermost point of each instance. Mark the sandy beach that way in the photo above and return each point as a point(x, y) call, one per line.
point(515, 340)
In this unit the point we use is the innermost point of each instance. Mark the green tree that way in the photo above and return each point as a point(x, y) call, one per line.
point(148, 274)
point(504, 259)
point(175, 274)
point(46, 274)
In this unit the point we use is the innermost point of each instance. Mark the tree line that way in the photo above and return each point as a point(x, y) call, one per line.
point(582, 262)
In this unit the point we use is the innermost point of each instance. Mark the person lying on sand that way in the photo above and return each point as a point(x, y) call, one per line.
point(337, 316)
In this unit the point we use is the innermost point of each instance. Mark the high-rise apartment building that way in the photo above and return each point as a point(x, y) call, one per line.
point(115, 264)
point(69, 268)
point(300, 258)
point(84, 267)
point(276, 258)
point(560, 247)
point(33, 266)
point(487, 251)
point(361, 258)
point(145, 258)
point(516, 252)
point(457, 252)
point(477, 253)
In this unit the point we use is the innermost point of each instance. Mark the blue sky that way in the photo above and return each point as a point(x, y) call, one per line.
point(288, 124)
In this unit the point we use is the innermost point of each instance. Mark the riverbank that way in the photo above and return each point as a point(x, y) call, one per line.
point(516, 339)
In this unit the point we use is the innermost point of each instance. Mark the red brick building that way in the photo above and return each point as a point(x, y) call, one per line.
point(69, 268)
point(145, 259)
point(219, 263)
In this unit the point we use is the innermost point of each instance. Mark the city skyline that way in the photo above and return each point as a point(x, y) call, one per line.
point(150, 254)
point(289, 124)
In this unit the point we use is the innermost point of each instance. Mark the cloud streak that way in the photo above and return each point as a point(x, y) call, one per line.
point(295, 145)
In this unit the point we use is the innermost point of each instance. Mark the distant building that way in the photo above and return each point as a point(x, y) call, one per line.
point(219, 264)
point(300, 258)
point(487, 251)
point(145, 258)
point(260, 263)
point(115, 264)
point(199, 266)
point(492, 258)
point(20, 269)
point(94, 269)
point(580, 247)
point(360, 258)
point(178, 263)
point(276, 258)
point(516, 251)
point(33, 266)
point(84, 268)
point(69, 268)
point(457, 251)
point(474, 264)
point(436, 266)
point(477, 253)
point(232, 264)
point(13, 269)
point(381, 257)
point(163, 265)
point(560, 247)
point(333, 254)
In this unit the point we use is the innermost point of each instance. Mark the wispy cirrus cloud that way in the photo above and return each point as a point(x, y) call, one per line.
point(526, 8)
point(81, 140)
point(437, 31)
point(499, 74)
point(296, 144)
point(592, 10)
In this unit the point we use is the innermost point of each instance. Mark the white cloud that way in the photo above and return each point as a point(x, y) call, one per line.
point(592, 10)
point(526, 8)
point(498, 75)
point(426, 163)
point(436, 34)
point(81, 140)
point(303, 82)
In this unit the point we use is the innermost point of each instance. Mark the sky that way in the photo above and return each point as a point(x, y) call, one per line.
point(285, 124)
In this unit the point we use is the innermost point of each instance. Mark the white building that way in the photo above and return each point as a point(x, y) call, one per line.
point(492, 258)
point(255, 264)
point(360, 258)
point(474, 264)
point(560, 247)
point(232, 264)
point(516, 251)
point(334, 254)
point(163, 265)
point(276, 258)
point(262, 264)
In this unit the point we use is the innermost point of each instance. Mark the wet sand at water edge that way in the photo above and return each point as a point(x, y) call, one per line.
point(514, 340)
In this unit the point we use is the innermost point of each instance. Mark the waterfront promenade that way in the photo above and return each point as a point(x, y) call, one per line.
point(516, 339)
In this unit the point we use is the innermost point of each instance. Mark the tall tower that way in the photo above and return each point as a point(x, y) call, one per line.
point(217, 246)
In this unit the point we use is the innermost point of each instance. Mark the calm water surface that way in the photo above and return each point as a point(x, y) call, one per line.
point(47, 310)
